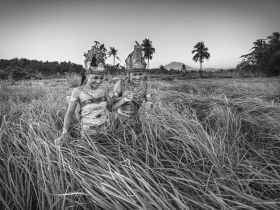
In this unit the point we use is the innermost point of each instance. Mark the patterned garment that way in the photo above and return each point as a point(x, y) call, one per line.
point(94, 115)
point(139, 93)
point(95, 118)
point(128, 114)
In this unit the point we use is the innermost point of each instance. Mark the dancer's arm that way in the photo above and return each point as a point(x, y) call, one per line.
point(117, 91)
point(122, 101)
point(119, 97)
point(69, 113)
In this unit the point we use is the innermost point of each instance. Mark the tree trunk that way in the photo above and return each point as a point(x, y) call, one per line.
point(148, 62)
point(114, 61)
point(200, 66)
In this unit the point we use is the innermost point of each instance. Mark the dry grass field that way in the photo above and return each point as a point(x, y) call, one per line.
point(207, 144)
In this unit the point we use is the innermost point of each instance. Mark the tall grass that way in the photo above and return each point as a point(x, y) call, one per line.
point(203, 146)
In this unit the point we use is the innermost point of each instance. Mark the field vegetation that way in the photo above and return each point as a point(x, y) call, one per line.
point(207, 144)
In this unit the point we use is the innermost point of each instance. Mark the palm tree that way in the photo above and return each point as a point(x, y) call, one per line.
point(148, 49)
point(257, 54)
point(113, 52)
point(274, 38)
point(258, 49)
point(258, 44)
point(201, 53)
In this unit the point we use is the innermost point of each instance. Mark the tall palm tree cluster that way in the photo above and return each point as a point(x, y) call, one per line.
point(264, 57)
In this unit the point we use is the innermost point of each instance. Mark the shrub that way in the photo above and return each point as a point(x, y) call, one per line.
point(18, 74)
point(3, 74)
point(38, 76)
point(167, 78)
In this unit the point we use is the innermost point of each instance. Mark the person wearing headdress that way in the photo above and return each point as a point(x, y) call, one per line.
point(92, 98)
point(135, 87)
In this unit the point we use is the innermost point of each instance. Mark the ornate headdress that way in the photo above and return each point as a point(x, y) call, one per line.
point(95, 59)
point(135, 61)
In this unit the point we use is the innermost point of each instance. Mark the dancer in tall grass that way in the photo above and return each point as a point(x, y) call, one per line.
point(93, 99)
point(135, 85)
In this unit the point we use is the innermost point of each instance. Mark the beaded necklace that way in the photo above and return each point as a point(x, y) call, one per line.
point(94, 93)
point(138, 90)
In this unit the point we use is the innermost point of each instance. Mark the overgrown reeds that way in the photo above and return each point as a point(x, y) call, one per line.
point(197, 150)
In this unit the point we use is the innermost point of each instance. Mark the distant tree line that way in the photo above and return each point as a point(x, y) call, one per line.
point(264, 58)
point(24, 69)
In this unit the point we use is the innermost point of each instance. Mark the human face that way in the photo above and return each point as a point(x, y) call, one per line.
point(94, 80)
point(136, 77)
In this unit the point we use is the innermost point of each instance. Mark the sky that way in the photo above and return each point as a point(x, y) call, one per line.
point(62, 30)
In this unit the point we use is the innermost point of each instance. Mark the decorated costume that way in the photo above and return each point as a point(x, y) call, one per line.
point(128, 113)
point(93, 115)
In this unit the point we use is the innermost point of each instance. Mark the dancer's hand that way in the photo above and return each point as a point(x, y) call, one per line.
point(60, 139)
point(128, 97)
point(125, 93)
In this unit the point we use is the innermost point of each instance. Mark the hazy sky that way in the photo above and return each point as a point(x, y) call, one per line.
point(62, 30)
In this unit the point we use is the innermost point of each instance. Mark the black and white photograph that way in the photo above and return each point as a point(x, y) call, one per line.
point(139, 105)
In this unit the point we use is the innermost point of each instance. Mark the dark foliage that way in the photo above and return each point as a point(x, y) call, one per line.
point(264, 58)
point(24, 69)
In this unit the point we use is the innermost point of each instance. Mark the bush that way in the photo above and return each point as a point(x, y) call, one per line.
point(154, 76)
point(18, 74)
point(3, 74)
point(167, 78)
point(38, 76)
